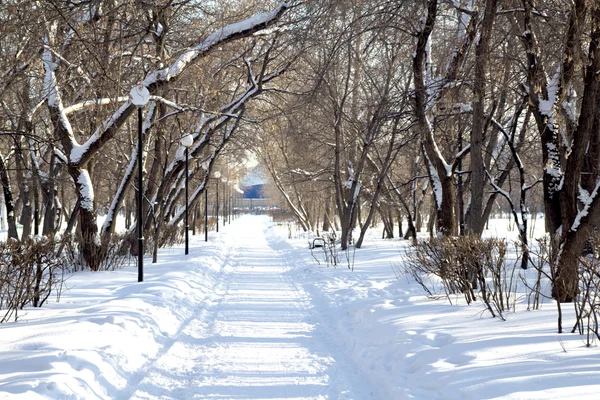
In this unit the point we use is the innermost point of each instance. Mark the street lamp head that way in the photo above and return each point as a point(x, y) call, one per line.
point(187, 140)
point(217, 174)
point(139, 95)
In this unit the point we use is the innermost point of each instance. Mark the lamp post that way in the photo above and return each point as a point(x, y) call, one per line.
point(206, 210)
point(224, 211)
point(186, 142)
point(217, 177)
point(229, 205)
point(205, 166)
point(140, 96)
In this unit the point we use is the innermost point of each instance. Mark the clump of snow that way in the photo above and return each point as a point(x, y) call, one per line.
point(86, 189)
point(546, 106)
point(587, 203)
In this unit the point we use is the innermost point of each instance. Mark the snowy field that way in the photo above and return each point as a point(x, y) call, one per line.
point(252, 315)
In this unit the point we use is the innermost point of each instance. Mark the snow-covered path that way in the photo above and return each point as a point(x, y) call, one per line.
point(251, 314)
point(261, 337)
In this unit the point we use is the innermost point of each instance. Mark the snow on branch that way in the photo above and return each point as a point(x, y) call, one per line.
point(521, 10)
point(61, 156)
point(82, 153)
point(54, 101)
point(223, 35)
point(89, 103)
point(587, 204)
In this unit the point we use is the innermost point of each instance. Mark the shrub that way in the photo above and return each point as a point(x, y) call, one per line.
point(465, 265)
point(29, 271)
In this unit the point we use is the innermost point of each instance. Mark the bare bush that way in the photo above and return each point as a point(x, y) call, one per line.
point(539, 260)
point(114, 253)
point(548, 253)
point(30, 271)
point(587, 297)
point(325, 246)
point(587, 301)
point(467, 265)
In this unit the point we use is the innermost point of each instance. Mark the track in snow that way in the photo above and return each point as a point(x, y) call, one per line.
point(263, 338)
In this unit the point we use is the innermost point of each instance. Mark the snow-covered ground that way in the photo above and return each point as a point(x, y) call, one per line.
point(251, 315)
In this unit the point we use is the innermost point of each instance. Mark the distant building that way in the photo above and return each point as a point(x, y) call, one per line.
point(253, 192)
point(254, 198)
point(253, 184)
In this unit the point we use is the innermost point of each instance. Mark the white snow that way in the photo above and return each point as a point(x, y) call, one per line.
point(96, 102)
point(159, 29)
point(463, 107)
point(587, 200)
point(436, 184)
point(546, 107)
point(251, 315)
point(86, 189)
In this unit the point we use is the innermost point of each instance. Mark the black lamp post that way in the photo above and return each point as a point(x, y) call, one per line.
point(217, 177)
point(206, 210)
point(140, 96)
point(224, 200)
point(229, 205)
point(205, 166)
point(225, 194)
point(186, 142)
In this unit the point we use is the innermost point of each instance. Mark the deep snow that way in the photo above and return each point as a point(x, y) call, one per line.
point(251, 315)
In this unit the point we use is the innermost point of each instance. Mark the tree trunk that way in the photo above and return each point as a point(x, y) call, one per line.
point(24, 185)
point(2, 211)
point(441, 173)
point(477, 133)
point(36, 208)
point(8, 201)
point(411, 231)
point(326, 224)
point(91, 248)
point(49, 191)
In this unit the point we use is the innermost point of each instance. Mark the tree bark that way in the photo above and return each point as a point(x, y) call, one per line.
point(8, 201)
point(476, 221)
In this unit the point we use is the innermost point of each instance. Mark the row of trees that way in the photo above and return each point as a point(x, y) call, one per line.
point(68, 145)
point(358, 110)
point(471, 101)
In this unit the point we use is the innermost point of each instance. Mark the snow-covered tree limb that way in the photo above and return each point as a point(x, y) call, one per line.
point(82, 154)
